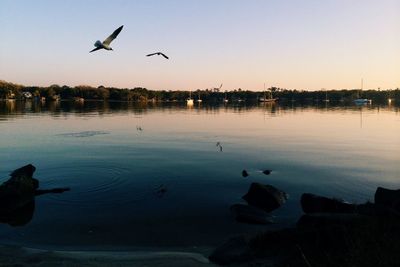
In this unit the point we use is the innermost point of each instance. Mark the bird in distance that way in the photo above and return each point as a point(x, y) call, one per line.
point(106, 43)
point(157, 53)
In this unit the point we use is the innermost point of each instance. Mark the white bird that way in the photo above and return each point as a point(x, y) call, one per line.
point(106, 43)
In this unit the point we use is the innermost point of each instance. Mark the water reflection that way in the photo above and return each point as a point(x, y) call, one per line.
point(160, 170)
point(20, 216)
point(84, 134)
point(13, 109)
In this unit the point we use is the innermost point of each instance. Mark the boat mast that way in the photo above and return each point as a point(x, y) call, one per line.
point(270, 93)
point(265, 93)
point(362, 84)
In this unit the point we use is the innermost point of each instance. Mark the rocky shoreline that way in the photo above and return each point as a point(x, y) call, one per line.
point(330, 233)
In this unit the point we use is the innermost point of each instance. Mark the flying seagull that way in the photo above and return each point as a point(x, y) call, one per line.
point(157, 53)
point(106, 43)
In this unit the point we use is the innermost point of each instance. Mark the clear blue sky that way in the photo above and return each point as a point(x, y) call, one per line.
point(310, 44)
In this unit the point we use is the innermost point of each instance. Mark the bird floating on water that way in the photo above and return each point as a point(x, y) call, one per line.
point(106, 43)
point(159, 54)
point(161, 190)
point(218, 144)
point(267, 172)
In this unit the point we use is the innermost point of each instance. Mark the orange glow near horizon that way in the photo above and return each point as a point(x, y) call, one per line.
point(294, 44)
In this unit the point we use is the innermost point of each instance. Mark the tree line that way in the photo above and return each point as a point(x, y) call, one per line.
point(15, 91)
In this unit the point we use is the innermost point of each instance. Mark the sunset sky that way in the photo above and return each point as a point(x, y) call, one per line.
point(298, 44)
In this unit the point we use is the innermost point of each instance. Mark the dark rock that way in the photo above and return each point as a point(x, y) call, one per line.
point(311, 203)
point(265, 197)
point(377, 210)
point(26, 170)
point(362, 242)
point(245, 173)
point(235, 250)
point(330, 219)
point(249, 214)
point(267, 172)
point(20, 216)
point(19, 190)
point(388, 198)
point(17, 196)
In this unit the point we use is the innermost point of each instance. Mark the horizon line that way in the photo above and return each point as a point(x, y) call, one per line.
point(197, 89)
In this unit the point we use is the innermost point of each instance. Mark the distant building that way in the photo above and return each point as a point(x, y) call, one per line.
point(27, 95)
point(10, 95)
point(55, 97)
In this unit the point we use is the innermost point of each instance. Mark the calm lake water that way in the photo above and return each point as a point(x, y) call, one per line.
point(115, 157)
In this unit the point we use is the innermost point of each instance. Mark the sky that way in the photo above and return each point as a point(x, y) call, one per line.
point(295, 44)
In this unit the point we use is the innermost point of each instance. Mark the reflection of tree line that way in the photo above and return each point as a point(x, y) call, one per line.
point(12, 109)
point(10, 90)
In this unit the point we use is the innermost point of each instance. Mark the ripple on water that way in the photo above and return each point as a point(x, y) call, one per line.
point(94, 185)
point(83, 134)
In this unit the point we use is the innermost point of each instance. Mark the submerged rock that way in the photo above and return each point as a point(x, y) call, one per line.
point(249, 214)
point(245, 173)
point(265, 197)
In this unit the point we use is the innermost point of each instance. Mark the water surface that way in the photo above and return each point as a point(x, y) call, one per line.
point(116, 156)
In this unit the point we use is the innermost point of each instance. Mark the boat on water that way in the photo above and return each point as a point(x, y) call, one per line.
point(189, 101)
point(79, 99)
point(266, 99)
point(362, 101)
point(326, 100)
point(225, 98)
point(199, 99)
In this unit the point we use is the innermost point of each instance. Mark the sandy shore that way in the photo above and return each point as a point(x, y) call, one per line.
point(23, 256)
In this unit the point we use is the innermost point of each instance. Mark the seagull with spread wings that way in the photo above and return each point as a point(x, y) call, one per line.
point(157, 53)
point(106, 43)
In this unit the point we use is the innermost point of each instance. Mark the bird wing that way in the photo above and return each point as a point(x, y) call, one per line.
point(97, 48)
point(113, 36)
point(149, 55)
point(164, 55)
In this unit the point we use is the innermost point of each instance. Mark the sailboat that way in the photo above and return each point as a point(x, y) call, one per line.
point(326, 96)
point(265, 99)
point(225, 99)
point(189, 101)
point(199, 100)
point(362, 101)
